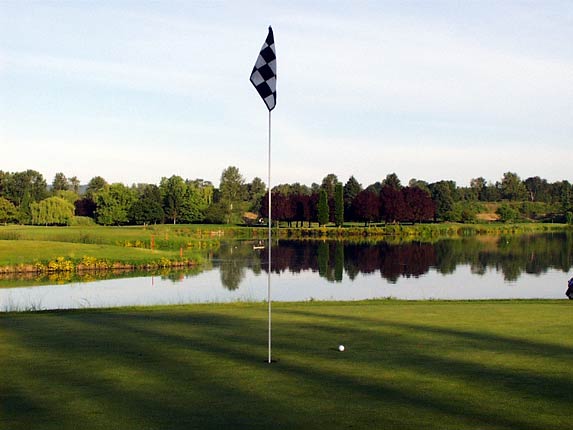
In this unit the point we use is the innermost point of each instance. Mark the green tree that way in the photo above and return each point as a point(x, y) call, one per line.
point(8, 211)
point(147, 209)
point(86, 206)
point(256, 191)
point(233, 191)
point(300, 189)
point(351, 189)
point(52, 211)
point(60, 183)
point(339, 205)
point(512, 188)
point(566, 196)
point(492, 192)
point(28, 185)
point(97, 183)
point(68, 195)
point(5, 179)
point(204, 189)
point(478, 187)
point(468, 211)
point(193, 208)
point(74, 184)
point(323, 209)
point(538, 189)
point(328, 184)
point(442, 195)
point(113, 204)
point(24, 211)
point(507, 213)
point(284, 189)
point(559, 193)
point(392, 181)
point(174, 192)
point(376, 188)
point(216, 213)
point(417, 183)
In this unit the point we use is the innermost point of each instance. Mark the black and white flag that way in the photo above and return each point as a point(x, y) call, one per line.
point(264, 76)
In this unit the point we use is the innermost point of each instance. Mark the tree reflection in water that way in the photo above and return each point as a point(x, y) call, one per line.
point(333, 260)
point(510, 255)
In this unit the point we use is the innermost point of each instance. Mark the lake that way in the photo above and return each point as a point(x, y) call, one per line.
point(478, 267)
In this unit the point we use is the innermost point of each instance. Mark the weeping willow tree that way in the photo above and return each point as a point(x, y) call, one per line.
point(52, 211)
point(8, 212)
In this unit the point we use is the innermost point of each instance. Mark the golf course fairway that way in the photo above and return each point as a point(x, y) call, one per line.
point(406, 365)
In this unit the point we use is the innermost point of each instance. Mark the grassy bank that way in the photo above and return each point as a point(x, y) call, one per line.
point(56, 257)
point(56, 249)
point(160, 237)
point(407, 365)
point(418, 231)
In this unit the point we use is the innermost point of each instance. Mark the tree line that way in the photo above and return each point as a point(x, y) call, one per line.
point(26, 198)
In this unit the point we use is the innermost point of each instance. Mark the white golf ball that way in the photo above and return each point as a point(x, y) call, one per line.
point(341, 348)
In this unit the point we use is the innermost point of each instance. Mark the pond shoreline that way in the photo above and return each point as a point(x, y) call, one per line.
point(277, 305)
point(64, 265)
point(27, 249)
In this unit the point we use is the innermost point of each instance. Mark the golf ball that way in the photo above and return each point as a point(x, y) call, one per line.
point(341, 348)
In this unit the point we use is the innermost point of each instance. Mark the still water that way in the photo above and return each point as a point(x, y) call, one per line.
point(484, 267)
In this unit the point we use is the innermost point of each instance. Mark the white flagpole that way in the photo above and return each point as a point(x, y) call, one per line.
point(270, 243)
point(263, 78)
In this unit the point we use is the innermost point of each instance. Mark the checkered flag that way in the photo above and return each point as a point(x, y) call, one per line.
point(264, 76)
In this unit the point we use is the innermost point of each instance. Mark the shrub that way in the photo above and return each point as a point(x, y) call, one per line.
point(82, 221)
point(60, 264)
point(507, 213)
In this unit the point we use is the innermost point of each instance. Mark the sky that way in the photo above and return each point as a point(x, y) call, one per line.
point(134, 91)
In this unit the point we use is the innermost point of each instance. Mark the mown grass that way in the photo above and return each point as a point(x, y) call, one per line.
point(407, 365)
point(23, 248)
point(162, 236)
point(417, 231)
point(13, 252)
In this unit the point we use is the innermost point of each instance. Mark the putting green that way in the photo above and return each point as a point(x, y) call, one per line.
point(407, 365)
